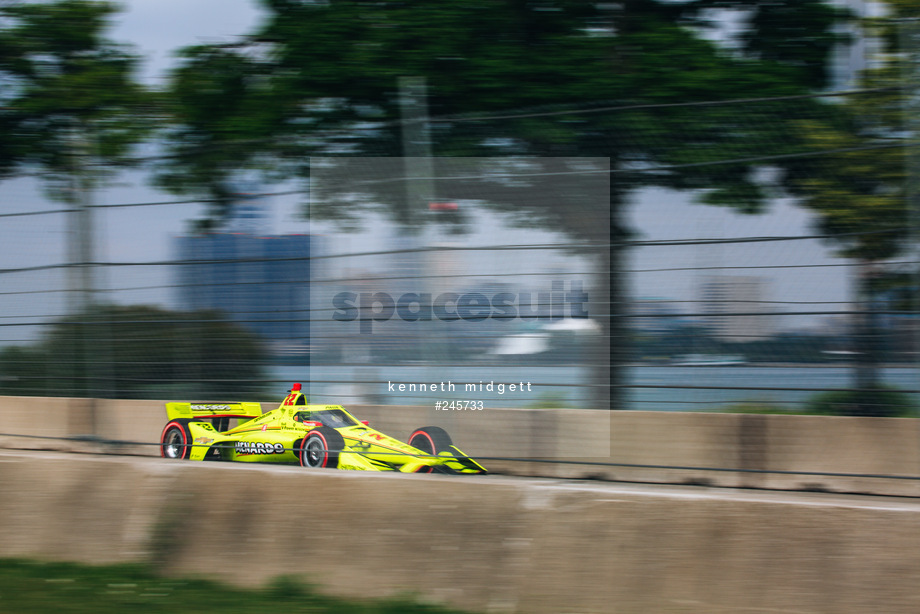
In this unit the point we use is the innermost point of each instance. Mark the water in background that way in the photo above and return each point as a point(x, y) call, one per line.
point(785, 387)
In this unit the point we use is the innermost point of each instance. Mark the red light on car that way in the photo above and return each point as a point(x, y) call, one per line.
point(443, 206)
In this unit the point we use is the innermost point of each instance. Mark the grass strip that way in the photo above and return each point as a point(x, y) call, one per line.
point(28, 587)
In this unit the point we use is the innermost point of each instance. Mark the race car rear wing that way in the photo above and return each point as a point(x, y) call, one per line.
point(213, 410)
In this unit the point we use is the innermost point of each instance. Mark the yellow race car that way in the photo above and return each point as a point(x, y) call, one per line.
point(311, 435)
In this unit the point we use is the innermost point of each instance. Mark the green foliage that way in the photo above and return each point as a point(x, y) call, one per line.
point(322, 78)
point(858, 195)
point(877, 402)
point(222, 109)
point(136, 351)
point(794, 34)
point(31, 587)
point(67, 91)
point(861, 190)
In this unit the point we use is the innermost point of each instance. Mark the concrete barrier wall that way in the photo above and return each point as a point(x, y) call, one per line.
point(737, 450)
point(492, 543)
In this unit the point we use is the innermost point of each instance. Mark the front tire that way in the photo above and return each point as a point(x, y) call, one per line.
point(430, 439)
point(321, 449)
point(176, 440)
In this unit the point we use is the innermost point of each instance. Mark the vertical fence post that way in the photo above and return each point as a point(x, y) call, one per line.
point(82, 284)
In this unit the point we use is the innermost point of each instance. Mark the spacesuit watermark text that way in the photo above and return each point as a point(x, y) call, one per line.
point(370, 307)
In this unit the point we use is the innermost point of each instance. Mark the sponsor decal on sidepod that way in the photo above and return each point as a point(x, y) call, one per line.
point(258, 447)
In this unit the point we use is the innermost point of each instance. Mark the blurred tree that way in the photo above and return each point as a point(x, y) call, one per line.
point(68, 95)
point(859, 199)
point(224, 108)
point(862, 195)
point(793, 34)
point(321, 78)
point(139, 352)
point(71, 110)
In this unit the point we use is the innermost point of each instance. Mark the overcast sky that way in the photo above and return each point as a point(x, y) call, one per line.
point(159, 27)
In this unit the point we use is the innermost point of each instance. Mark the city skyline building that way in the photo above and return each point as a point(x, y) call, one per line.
point(733, 308)
point(259, 282)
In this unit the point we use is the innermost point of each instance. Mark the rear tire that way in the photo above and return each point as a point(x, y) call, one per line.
point(321, 448)
point(176, 440)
